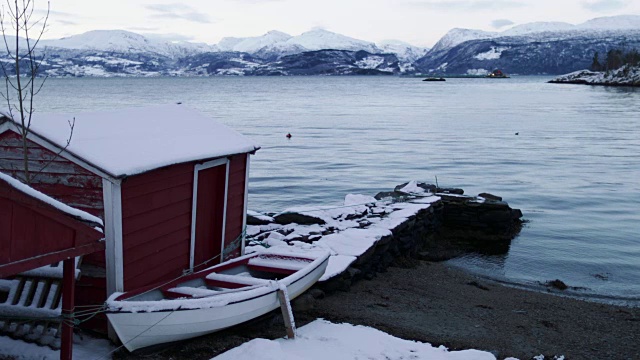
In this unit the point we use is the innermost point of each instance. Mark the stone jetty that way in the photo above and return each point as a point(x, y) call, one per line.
point(366, 234)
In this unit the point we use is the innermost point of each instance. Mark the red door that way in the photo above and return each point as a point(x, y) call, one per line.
point(209, 216)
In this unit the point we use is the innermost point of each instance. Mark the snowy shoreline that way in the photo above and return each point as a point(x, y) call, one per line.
point(625, 76)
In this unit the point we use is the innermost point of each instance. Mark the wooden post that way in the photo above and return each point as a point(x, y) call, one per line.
point(68, 292)
point(287, 313)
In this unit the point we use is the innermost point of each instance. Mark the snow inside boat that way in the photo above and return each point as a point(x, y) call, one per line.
point(212, 299)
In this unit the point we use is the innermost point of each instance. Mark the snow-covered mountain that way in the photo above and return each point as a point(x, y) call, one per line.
point(320, 39)
point(620, 22)
point(536, 27)
point(252, 44)
point(457, 36)
point(404, 51)
point(125, 42)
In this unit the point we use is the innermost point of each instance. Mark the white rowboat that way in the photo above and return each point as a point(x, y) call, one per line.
point(210, 300)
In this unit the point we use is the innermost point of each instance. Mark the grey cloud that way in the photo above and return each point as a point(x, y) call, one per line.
point(500, 23)
point(65, 22)
point(456, 5)
point(178, 11)
point(604, 5)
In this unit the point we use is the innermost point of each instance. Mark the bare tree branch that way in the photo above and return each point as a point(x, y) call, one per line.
point(18, 17)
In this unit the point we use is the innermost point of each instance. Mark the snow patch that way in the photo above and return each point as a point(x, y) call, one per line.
point(321, 340)
point(492, 54)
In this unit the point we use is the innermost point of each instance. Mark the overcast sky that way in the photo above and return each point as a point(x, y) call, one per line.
point(420, 22)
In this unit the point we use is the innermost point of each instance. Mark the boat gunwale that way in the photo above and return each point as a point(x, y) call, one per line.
point(114, 312)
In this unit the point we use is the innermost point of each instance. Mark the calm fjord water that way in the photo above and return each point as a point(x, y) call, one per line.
point(574, 168)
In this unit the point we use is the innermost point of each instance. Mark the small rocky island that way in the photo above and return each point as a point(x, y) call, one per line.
point(624, 76)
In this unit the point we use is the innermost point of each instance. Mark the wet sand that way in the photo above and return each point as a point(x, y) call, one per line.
point(441, 305)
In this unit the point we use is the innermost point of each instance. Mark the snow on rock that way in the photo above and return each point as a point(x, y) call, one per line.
point(625, 76)
point(370, 62)
point(73, 212)
point(348, 231)
point(413, 188)
point(337, 264)
point(321, 340)
point(478, 72)
point(492, 54)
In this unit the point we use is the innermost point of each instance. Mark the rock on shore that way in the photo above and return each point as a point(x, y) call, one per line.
point(625, 76)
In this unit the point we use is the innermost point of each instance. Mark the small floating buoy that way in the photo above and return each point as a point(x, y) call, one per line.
point(289, 136)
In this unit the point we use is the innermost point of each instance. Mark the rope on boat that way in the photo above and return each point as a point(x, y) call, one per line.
point(135, 337)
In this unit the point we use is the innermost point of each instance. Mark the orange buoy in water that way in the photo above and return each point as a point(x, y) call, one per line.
point(289, 136)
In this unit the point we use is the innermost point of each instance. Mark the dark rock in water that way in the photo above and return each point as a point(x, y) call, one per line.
point(490, 196)
point(253, 220)
point(558, 284)
point(287, 218)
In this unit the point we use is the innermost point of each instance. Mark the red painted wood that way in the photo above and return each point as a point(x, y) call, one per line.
point(162, 272)
point(68, 290)
point(171, 284)
point(36, 233)
point(224, 284)
point(166, 246)
point(141, 204)
point(271, 269)
point(146, 235)
point(156, 225)
point(209, 216)
point(235, 201)
point(154, 217)
point(16, 267)
point(62, 179)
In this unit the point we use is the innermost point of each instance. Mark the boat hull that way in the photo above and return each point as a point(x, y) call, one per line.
point(138, 330)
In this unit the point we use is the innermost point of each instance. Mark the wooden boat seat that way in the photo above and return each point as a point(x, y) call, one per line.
point(286, 266)
point(188, 292)
point(233, 281)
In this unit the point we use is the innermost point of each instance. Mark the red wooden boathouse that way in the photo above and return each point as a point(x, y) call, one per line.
point(36, 230)
point(170, 184)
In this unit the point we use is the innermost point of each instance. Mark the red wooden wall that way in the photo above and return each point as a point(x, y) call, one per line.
point(156, 224)
point(61, 179)
point(209, 217)
point(30, 229)
point(156, 220)
point(235, 202)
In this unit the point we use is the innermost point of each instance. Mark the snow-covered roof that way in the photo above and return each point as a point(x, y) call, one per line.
point(131, 141)
point(73, 212)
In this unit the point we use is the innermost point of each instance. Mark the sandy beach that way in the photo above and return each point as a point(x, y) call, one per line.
point(441, 305)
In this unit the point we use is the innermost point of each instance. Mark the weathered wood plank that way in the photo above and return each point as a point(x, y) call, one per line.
point(157, 200)
point(287, 314)
point(146, 235)
point(155, 217)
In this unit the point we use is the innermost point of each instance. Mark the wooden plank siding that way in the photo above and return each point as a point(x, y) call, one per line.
point(235, 202)
point(62, 179)
point(156, 225)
